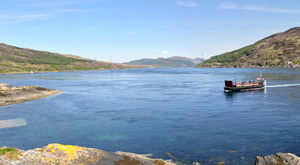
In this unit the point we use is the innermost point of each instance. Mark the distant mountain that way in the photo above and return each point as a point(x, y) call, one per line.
point(175, 61)
point(277, 50)
point(23, 60)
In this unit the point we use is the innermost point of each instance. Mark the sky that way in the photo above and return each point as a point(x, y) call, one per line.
point(125, 30)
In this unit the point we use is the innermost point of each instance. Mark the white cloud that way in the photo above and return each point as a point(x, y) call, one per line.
point(56, 3)
point(33, 16)
point(7, 19)
point(234, 6)
point(51, 9)
point(187, 3)
point(69, 10)
point(163, 52)
point(45, 3)
point(228, 5)
point(272, 10)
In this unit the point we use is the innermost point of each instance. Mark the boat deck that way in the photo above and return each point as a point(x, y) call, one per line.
point(235, 87)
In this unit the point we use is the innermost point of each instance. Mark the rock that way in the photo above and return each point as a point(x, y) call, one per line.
point(13, 95)
point(278, 159)
point(144, 160)
point(72, 155)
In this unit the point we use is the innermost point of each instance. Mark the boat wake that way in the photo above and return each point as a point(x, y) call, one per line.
point(283, 85)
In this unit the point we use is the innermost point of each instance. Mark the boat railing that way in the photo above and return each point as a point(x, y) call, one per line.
point(258, 82)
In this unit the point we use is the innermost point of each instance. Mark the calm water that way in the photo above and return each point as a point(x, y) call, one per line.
point(183, 111)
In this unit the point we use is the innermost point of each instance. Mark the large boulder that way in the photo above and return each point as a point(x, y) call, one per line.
point(278, 159)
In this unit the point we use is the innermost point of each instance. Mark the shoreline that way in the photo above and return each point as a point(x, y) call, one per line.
point(69, 154)
point(16, 73)
point(55, 153)
point(253, 66)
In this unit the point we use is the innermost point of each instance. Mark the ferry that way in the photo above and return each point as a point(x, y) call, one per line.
point(259, 83)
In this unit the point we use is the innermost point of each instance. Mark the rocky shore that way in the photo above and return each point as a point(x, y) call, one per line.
point(68, 154)
point(12, 95)
point(278, 159)
point(72, 155)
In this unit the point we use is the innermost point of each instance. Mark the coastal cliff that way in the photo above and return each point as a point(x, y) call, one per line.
point(68, 154)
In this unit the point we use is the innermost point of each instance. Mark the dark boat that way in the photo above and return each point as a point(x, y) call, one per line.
point(259, 83)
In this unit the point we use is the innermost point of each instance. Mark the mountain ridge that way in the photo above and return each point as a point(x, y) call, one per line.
point(175, 61)
point(23, 60)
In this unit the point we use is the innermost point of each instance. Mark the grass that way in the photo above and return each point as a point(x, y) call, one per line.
point(231, 56)
point(10, 153)
point(5, 150)
point(19, 60)
point(267, 56)
point(272, 51)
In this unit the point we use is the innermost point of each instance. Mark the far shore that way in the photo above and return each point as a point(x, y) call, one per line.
point(13, 73)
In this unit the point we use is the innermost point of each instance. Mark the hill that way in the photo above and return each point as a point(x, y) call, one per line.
point(277, 50)
point(23, 60)
point(175, 61)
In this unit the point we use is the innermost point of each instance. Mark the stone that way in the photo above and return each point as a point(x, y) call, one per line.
point(73, 155)
point(13, 95)
point(278, 159)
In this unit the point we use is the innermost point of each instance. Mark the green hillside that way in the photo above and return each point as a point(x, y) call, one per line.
point(21, 60)
point(176, 61)
point(277, 50)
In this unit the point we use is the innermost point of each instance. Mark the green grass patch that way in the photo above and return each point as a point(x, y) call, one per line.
point(10, 153)
point(5, 150)
point(231, 56)
point(51, 59)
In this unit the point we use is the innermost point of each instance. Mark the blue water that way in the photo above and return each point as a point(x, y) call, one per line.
point(183, 111)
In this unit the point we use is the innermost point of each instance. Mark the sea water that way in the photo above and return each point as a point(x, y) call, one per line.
point(180, 113)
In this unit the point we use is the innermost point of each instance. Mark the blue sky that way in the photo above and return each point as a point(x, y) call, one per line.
point(133, 29)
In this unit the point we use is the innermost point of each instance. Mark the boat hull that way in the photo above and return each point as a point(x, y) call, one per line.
point(243, 88)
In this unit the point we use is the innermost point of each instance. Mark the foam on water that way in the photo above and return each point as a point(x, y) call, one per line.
point(12, 123)
point(283, 85)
